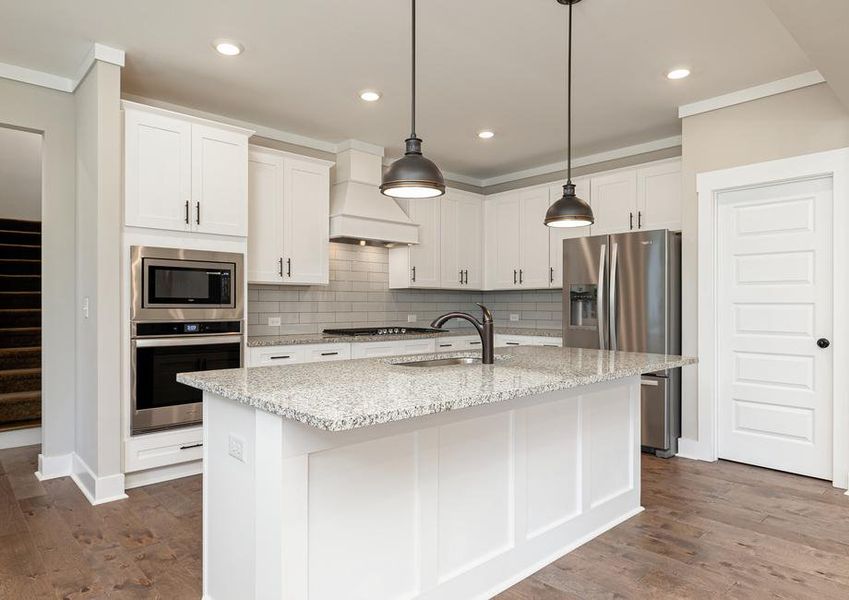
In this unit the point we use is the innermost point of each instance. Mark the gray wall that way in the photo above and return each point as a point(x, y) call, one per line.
point(359, 296)
point(20, 174)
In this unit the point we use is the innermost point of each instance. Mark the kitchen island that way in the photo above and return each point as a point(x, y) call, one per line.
point(369, 479)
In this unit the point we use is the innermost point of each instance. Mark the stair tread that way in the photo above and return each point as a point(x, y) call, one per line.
point(5, 245)
point(19, 330)
point(21, 350)
point(27, 371)
point(19, 310)
point(18, 396)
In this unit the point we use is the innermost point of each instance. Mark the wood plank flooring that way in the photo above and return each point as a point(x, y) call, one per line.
point(719, 530)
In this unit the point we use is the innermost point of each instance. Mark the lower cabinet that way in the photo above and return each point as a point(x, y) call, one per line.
point(162, 448)
point(378, 349)
point(503, 341)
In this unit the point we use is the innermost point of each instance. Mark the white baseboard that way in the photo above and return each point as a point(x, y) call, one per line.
point(692, 449)
point(160, 474)
point(51, 467)
point(97, 490)
point(20, 437)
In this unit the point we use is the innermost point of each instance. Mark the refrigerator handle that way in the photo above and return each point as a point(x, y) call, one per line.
point(614, 260)
point(600, 295)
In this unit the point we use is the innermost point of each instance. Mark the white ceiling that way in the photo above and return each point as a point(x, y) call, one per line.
point(482, 63)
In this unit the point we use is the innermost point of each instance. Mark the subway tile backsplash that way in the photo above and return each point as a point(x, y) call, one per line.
point(359, 296)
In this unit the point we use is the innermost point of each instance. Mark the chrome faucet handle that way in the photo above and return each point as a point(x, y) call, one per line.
point(487, 314)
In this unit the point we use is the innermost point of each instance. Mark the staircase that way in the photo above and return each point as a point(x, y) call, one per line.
point(20, 324)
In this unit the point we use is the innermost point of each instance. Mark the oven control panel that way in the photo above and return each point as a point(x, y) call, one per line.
point(184, 328)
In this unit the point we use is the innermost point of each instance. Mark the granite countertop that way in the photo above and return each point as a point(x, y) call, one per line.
point(350, 394)
point(320, 338)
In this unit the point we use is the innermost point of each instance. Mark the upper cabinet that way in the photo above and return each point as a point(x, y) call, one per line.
point(638, 198)
point(183, 173)
point(461, 221)
point(556, 235)
point(448, 255)
point(289, 212)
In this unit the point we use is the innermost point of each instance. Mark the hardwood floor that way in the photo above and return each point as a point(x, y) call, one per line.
point(719, 530)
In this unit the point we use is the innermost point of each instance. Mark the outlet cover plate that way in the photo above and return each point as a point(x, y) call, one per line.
point(411, 318)
point(514, 317)
point(274, 321)
point(236, 447)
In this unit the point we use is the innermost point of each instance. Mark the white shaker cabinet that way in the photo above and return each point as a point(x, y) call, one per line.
point(614, 202)
point(184, 174)
point(289, 212)
point(533, 239)
point(659, 196)
point(418, 265)
point(556, 235)
point(461, 224)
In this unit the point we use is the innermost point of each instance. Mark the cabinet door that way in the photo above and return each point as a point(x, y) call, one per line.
point(503, 215)
point(469, 223)
point(219, 181)
point(424, 256)
point(265, 217)
point(556, 235)
point(614, 202)
point(659, 192)
point(306, 222)
point(157, 171)
point(533, 237)
point(450, 256)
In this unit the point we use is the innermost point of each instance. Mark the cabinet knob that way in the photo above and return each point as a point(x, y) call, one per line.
point(823, 343)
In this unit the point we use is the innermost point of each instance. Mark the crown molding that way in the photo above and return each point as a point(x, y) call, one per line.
point(97, 52)
point(360, 146)
point(757, 92)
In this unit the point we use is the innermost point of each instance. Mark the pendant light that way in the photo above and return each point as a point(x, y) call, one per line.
point(413, 175)
point(569, 211)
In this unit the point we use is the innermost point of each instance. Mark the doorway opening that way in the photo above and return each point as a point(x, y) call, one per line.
point(20, 287)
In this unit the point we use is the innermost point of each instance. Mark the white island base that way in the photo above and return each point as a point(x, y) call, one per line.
point(455, 505)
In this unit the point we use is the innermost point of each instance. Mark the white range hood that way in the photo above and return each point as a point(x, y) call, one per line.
point(358, 211)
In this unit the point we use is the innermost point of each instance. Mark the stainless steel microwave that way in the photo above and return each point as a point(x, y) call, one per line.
point(176, 284)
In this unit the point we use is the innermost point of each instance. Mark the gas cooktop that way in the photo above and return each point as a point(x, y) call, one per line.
point(363, 331)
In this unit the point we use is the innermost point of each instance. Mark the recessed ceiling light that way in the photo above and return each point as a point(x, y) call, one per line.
point(228, 48)
point(486, 134)
point(370, 95)
point(678, 74)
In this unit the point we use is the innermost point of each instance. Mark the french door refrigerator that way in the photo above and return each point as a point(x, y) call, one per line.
point(623, 292)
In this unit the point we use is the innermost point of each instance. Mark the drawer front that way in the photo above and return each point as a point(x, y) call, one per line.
point(276, 355)
point(395, 348)
point(458, 343)
point(327, 352)
point(161, 449)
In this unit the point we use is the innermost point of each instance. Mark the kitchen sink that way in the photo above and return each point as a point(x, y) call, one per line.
point(442, 362)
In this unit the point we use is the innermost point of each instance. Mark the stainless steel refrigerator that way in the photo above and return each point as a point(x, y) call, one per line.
point(623, 292)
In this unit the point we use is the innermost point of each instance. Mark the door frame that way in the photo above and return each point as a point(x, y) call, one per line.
point(834, 164)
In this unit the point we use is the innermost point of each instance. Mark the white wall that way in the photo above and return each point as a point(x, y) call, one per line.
point(52, 113)
point(98, 225)
point(20, 174)
point(790, 124)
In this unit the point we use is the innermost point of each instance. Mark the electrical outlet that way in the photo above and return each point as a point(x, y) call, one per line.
point(274, 321)
point(411, 318)
point(236, 448)
point(514, 317)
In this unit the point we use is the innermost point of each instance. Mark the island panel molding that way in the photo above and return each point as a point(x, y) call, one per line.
point(454, 505)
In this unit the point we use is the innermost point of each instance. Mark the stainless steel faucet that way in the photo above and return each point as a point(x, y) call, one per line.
point(486, 330)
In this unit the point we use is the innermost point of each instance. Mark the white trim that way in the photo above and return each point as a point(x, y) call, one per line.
point(592, 159)
point(836, 164)
point(284, 153)
point(360, 146)
point(457, 177)
point(97, 490)
point(260, 130)
point(148, 108)
point(20, 437)
point(773, 88)
point(691, 449)
point(97, 52)
point(51, 467)
point(40, 78)
point(160, 474)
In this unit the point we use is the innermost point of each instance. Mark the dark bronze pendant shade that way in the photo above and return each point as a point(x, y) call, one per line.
point(413, 175)
point(569, 210)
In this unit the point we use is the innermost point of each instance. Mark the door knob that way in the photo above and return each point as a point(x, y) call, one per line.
point(823, 343)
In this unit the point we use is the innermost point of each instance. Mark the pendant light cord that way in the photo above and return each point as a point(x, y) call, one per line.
point(413, 104)
point(568, 103)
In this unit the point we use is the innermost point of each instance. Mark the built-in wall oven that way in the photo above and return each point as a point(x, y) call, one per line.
point(187, 315)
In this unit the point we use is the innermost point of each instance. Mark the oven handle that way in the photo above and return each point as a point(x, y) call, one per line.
point(187, 341)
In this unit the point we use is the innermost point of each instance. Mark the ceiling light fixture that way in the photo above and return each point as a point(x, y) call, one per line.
point(370, 95)
point(569, 211)
point(678, 74)
point(228, 48)
point(413, 175)
point(486, 134)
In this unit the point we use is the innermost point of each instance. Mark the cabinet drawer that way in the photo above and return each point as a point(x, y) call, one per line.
point(164, 448)
point(276, 355)
point(457, 343)
point(327, 352)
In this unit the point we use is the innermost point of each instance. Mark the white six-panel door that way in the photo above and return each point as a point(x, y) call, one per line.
point(775, 291)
